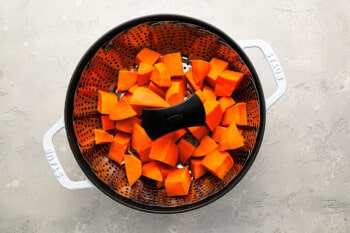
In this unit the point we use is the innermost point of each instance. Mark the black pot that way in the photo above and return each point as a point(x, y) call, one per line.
point(164, 33)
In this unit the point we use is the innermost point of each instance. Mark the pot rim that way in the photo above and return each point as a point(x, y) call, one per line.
point(69, 116)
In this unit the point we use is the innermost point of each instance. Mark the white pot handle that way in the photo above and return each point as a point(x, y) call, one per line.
point(55, 164)
point(275, 66)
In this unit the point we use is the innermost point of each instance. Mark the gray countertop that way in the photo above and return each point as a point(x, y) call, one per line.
point(300, 181)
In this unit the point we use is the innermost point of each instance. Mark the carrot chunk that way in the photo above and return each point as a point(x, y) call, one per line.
point(106, 101)
point(143, 96)
point(126, 79)
point(147, 56)
point(119, 147)
point(178, 182)
point(197, 168)
point(133, 168)
point(152, 170)
point(216, 67)
point(218, 163)
point(213, 113)
point(227, 82)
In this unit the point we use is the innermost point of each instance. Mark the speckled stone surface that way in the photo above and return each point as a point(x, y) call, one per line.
point(300, 181)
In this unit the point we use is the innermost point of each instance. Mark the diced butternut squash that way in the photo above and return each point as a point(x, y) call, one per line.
point(165, 170)
point(101, 136)
point(107, 123)
point(119, 147)
point(179, 134)
point(176, 92)
point(208, 93)
point(236, 113)
point(161, 75)
point(152, 170)
point(133, 168)
point(227, 82)
point(173, 61)
point(201, 96)
point(143, 96)
point(106, 101)
point(159, 81)
point(147, 56)
point(206, 145)
point(198, 131)
point(213, 113)
point(225, 102)
point(231, 138)
point(122, 111)
point(126, 125)
point(218, 132)
point(197, 168)
point(216, 67)
point(140, 140)
point(200, 70)
point(185, 149)
point(133, 88)
point(144, 154)
point(144, 72)
point(161, 91)
point(178, 182)
point(164, 150)
point(126, 79)
point(218, 163)
point(190, 79)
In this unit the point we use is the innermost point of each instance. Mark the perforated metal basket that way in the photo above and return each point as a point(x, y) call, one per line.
point(98, 70)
